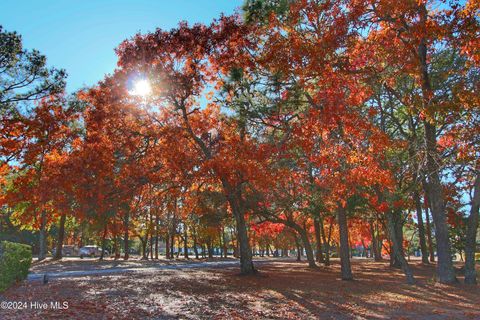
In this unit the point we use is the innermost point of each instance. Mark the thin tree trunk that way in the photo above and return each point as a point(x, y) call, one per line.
point(224, 239)
point(195, 244)
point(116, 246)
point(157, 234)
point(297, 243)
point(144, 247)
point(104, 241)
point(471, 236)
point(326, 241)
point(61, 235)
point(42, 254)
point(210, 249)
point(125, 237)
point(421, 227)
point(167, 247)
point(172, 244)
point(346, 269)
point(429, 233)
point(185, 241)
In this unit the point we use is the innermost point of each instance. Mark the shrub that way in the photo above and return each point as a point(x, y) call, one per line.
point(15, 260)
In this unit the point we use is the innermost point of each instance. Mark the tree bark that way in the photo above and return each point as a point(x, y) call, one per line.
point(397, 246)
point(167, 247)
point(195, 244)
point(42, 254)
point(318, 240)
point(346, 269)
point(396, 222)
point(104, 240)
point(429, 234)
point(209, 249)
point(375, 250)
point(144, 247)
point(471, 236)
point(61, 236)
point(116, 246)
point(224, 240)
point(297, 243)
point(326, 241)
point(125, 237)
point(185, 241)
point(172, 245)
point(246, 262)
point(445, 270)
point(157, 234)
point(308, 247)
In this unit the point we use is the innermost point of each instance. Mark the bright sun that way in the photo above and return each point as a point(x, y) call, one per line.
point(142, 88)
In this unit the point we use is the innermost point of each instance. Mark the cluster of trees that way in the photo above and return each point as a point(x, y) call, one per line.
point(305, 124)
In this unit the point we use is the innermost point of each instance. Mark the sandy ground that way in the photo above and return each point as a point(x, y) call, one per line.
point(281, 290)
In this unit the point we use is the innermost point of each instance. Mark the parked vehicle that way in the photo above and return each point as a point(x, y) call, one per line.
point(67, 250)
point(91, 251)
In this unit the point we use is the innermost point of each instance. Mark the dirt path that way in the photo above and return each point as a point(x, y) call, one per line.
point(92, 269)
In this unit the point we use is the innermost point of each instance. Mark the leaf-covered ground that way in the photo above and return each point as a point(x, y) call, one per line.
point(282, 290)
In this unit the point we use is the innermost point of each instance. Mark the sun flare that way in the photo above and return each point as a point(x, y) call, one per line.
point(141, 88)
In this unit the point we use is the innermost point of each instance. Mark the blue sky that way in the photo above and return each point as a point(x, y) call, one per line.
point(80, 36)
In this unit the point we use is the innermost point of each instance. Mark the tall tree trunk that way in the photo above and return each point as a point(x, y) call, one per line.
point(61, 235)
point(42, 254)
point(344, 247)
point(421, 227)
point(397, 246)
point(471, 236)
point(445, 270)
point(125, 236)
point(318, 240)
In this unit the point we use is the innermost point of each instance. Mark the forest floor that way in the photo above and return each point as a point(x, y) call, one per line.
point(283, 289)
